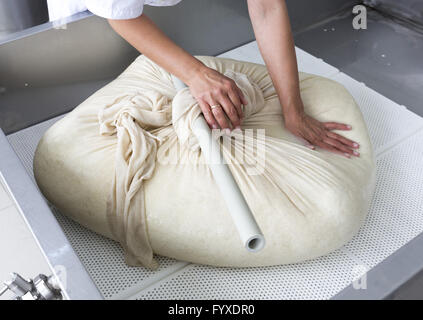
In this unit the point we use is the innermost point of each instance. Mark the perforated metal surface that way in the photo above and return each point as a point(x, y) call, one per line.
point(102, 257)
point(306, 62)
point(388, 122)
point(317, 279)
point(395, 217)
point(396, 213)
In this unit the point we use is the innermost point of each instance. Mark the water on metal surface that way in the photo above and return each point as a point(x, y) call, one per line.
point(387, 56)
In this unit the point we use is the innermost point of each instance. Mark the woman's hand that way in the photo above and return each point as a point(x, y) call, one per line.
point(274, 37)
point(209, 87)
point(319, 134)
point(219, 98)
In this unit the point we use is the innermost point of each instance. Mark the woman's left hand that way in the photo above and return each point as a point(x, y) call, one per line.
point(320, 134)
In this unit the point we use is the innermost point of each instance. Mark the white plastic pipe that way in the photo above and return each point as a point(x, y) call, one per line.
point(245, 223)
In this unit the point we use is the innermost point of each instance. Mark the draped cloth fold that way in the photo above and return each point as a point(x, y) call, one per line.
point(126, 165)
point(130, 117)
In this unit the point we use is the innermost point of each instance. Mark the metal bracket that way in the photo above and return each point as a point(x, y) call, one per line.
point(39, 288)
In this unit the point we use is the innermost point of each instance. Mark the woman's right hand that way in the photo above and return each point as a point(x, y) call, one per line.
point(219, 98)
point(209, 87)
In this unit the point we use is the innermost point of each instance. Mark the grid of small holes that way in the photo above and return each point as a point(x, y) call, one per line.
point(396, 213)
point(103, 258)
point(383, 129)
point(386, 120)
point(316, 279)
point(396, 217)
point(310, 64)
point(306, 62)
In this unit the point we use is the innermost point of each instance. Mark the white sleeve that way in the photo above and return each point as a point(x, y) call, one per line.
point(59, 9)
point(116, 9)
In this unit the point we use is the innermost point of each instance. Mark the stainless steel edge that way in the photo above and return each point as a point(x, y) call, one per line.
point(21, 14)
point(409, 10)
point(44, 27)
point(44, 227)
point(49, 69)
point(388, 279)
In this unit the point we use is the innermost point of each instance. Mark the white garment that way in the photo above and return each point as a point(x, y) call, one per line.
point(110, 9)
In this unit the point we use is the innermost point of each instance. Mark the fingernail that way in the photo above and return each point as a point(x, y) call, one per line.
point(214, 126)
point(348, 126)
point(356, 153)
point(227, 131)
point(238, 127)
point(347, 155)
point(355, 145)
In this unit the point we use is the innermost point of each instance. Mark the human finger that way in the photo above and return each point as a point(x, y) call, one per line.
point(219, 115)
point(336, 126)
point(230, 111)
point(208, 115)
point(348, 142)
point(338, 145)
